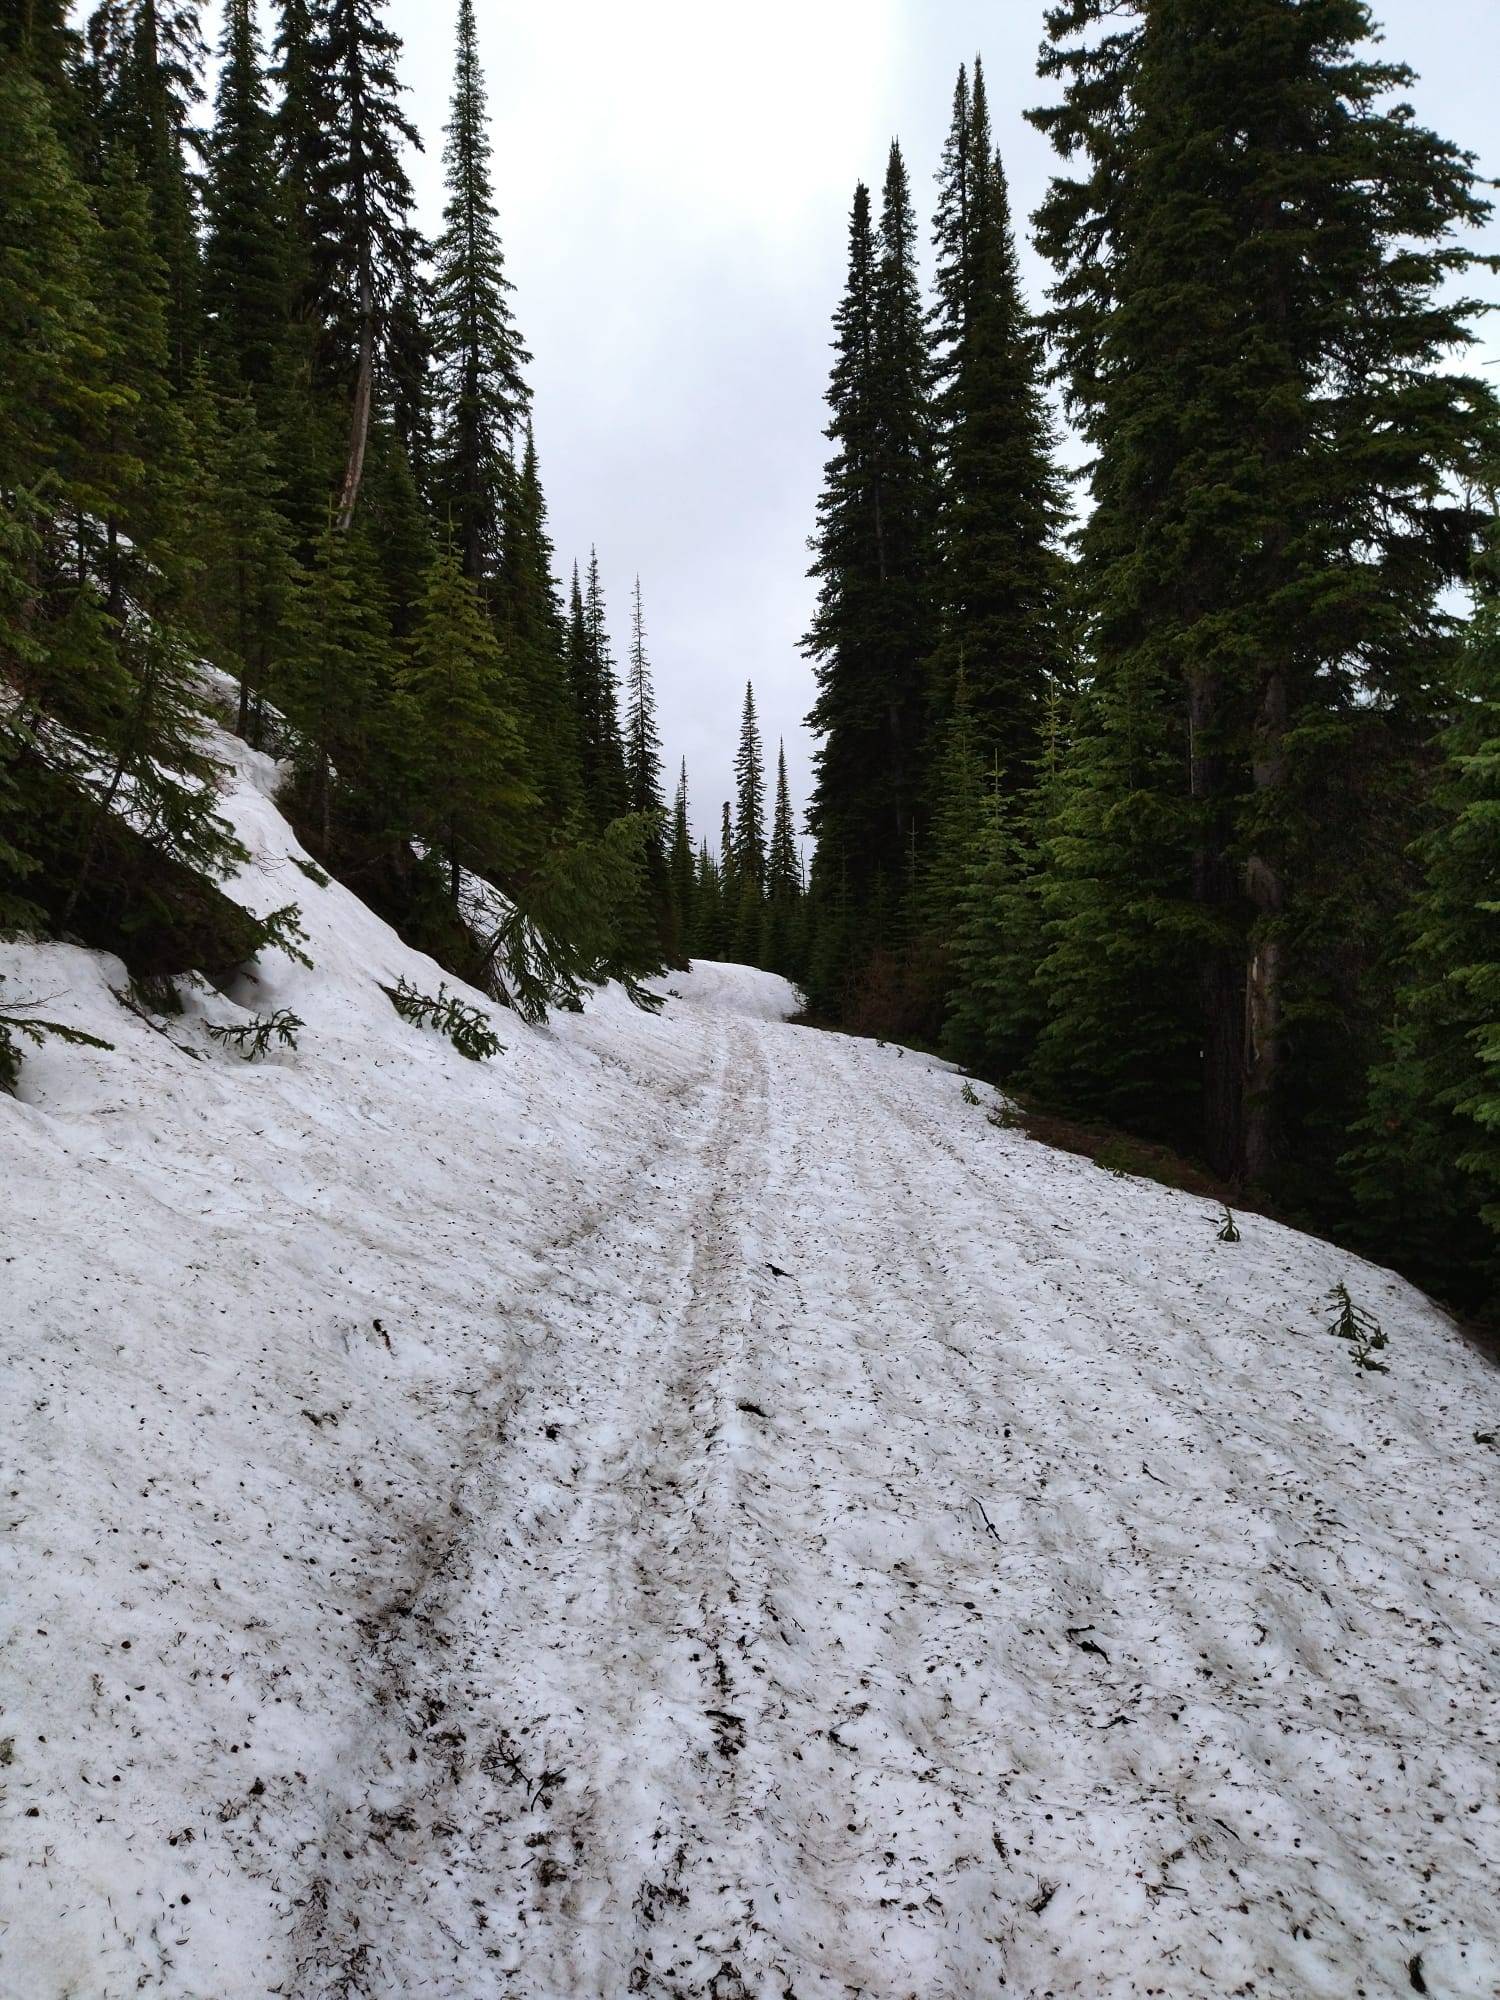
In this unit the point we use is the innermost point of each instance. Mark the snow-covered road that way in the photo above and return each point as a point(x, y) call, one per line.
point(899, 1574)
point(693, 1508)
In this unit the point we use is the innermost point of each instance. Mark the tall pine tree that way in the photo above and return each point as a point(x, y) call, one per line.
point(148, 58)
point(360, 200)
point(750, 799)
point(601, 751)
point(682, 873)
point(872, 631)
point(1001, 576)
point(780, 940)
point(245, 288)
point(481, 392)
point(531, 623)
point(1263, 590)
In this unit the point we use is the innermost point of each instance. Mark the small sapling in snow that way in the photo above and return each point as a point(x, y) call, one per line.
point(311, 870)
point(253, 1038)
point(971, 1095)
point(466, 1026)
point(1359, 1328)
point(1229, 1230)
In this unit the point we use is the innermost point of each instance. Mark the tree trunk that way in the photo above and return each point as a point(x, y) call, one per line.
point(1219, 973)
point(359, 426)
point(1264, 1004)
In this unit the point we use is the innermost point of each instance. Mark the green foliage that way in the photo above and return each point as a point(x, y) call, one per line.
point(1359, 1328)
point(465, 1025)
point(1262, 583)
point(783, 938)
point(481, 394)
point(1228, 1230)
point(148, 61)
point(242, 590)
point(643, 781)
point(246, 278)
point(750, 799)
point(1426, 1168)
point(1121, 934)
point(171, 429)
point(280, 930)
point(605, 781)
point(255, 1037)
point(337, 682)
point(531, 622)
point(1000, 575)
point(995, 928)
point(349, 137)
point(682, 878)
point(576, 920)
point(467, 792)
point(872, 629)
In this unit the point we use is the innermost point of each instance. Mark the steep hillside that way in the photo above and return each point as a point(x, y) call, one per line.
point(692, 1506)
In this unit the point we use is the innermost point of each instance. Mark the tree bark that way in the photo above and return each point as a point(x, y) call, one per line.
point(359, 426)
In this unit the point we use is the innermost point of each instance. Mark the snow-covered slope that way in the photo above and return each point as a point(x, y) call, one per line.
point(691, 1508)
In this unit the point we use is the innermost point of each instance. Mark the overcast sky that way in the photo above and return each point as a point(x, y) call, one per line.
point(674, 178)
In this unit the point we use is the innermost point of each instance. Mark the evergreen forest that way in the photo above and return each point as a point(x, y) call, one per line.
point(1165, 794)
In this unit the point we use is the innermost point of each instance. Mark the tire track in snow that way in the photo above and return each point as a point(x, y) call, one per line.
point(517, 1721)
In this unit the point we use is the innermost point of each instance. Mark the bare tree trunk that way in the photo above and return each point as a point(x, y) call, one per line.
point(359, 426)
point(1264, 1003)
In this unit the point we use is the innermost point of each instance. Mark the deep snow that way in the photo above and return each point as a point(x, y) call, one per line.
point(690, 1507)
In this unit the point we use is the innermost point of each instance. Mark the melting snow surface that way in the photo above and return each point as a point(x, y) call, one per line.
point(690, 1507)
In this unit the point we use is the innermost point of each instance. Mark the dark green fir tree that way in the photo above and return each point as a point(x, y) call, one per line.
point(1001, 575)
point(1263, 594)
point(470, 796)
point(781, 923)
point(872, 632)
point(246, 284)
point(601, 749)
point(1427, 1165)
point(147, 59)
point(359, 200)
point(481, 390)
point(532, 626)
point(682, 874)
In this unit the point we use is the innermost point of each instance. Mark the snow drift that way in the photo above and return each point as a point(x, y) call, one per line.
point(690, 1507)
